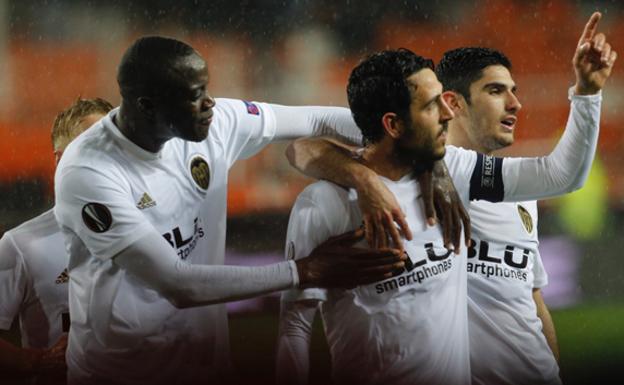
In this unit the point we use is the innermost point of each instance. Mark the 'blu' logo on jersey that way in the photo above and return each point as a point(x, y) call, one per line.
point(512, 265)
point(184, 246)
point(419, 271)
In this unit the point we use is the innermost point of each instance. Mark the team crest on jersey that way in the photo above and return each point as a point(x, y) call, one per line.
point(290, 254)
point(200, 172)
point(527, 221)
point(97, 217)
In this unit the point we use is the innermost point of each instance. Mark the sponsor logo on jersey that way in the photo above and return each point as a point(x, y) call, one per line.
point(200, 172)
point(512, 265)
point(252, 109)
point(415, 273)
point(146, 202)
point(97, 217)
point(184, 246)
point(527, 221)
point(290, 254)
point(62, 278)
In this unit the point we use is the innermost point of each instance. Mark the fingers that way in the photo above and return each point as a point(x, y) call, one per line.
point(393, 231)
point(405, 230)
point(465, 218)
point(606, 54)
point(427, 194)
point(375, 274)
point(612, 59)
point(381, 240)
point(358, 255)
point(346, 239)
point(368, 229)
point(598, 42)
point(456, 231)
point(590, 28)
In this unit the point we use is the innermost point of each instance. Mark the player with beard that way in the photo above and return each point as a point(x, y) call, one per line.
point(413, 328)
point(141, 201)
point(33, 273)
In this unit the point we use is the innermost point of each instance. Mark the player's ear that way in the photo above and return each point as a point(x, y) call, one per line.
point(146, 106)
point(454, 100)
point(392, 125)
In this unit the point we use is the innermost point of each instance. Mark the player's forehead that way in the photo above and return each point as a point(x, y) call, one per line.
point(424, 85)
point(190, 70)
point(494, 74)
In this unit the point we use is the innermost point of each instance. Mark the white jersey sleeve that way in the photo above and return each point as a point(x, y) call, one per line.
point(243, 127)
point(13, 280)
point(461, 165)
point(98, 207)
point(295, 122)
point(246, 127)
point(564, 170)
point(310, 224)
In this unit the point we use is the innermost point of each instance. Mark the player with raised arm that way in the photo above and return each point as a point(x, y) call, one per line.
point(141, 200)
point(33, 272)
point(413, 329)
point(512, 336)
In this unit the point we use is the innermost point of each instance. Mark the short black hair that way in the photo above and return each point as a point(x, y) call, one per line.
point(378, 85)
point(461, 67)
point(148, 64)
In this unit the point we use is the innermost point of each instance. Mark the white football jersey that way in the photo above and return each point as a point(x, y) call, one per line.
point(109, 193)
point(410, 329)
point(33, 281)
point(507, 345)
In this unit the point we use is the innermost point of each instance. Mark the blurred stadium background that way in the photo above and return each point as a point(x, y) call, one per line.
point(301, 52)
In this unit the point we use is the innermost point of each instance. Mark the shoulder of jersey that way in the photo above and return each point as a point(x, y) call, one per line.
point(327, 194)
point(44, 222)
point(90, 147)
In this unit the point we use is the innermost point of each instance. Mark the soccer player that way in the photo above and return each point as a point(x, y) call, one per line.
point(33, 270)
point(413, 329)
point(512, 336)
point(141, 200)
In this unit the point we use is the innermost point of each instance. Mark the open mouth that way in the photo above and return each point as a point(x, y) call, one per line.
point(509, 122)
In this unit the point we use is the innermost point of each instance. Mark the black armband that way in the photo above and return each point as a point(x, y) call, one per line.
point(487, 179)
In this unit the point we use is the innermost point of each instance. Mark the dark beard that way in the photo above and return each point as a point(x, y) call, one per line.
point(419, 160)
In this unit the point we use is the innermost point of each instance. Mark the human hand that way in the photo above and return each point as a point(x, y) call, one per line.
point(337, 264)
point(381, 214)
point(593, 59)
point(441, 201)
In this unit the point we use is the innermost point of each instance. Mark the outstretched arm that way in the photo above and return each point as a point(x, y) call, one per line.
point(152, 259)
point(567, 167)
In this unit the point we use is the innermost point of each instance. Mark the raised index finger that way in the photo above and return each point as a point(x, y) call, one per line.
point(590, 28)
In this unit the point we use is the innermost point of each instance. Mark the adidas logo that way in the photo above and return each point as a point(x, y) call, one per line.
point(62, 278)
point(146, 202)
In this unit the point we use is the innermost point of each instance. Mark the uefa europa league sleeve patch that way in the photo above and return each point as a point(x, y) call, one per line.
point(97, 217)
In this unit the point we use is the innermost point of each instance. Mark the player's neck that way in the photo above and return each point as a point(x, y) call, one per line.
point(137, 131)
point(458, 136)
point(380, 157)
